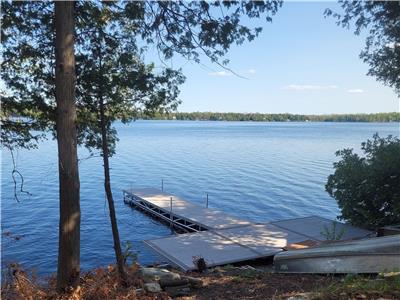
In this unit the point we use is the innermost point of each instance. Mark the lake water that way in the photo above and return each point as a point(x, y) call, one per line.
point(257, 171)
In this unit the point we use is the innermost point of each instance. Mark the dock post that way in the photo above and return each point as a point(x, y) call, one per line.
point(162, 185)
point(170, 212)
point(207, 201)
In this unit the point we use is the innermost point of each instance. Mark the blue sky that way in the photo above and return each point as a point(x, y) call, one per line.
point(301, 63)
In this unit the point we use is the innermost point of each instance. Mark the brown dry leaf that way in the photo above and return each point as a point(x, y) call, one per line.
point(76, 294)
point(134, 268)
point(99, 272)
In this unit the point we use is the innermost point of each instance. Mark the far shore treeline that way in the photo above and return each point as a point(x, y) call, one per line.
point(284, 117)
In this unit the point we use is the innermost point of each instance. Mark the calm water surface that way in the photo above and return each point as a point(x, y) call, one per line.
point(257, 171)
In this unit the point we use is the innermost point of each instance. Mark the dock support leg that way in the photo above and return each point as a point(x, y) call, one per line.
point(170, 213)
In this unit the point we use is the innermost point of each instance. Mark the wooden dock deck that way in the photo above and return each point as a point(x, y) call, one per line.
point(181, 213)
point(221, 238)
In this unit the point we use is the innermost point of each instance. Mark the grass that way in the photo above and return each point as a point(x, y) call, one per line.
point(248, 275)
point(363, 287)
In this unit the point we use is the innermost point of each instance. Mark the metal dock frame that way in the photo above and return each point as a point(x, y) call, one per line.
point(163, 214)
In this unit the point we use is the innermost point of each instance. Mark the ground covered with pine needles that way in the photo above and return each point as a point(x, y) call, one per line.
point(219, 283)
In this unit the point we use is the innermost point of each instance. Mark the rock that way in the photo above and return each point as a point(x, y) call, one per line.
point(247, 267)
point(139, 291)
point(303, 296)
point(155, 274)
point(194, 282)
point(176, 291)
point(152, 287)
point(166, 278)
point(164, 266)
point(173, 281)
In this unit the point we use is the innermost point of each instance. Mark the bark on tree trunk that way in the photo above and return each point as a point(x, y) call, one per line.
point(69, 227)
point(107, 187)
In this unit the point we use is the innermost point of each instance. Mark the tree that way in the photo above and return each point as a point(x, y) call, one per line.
point(187, 28)
point(28, 107)
point(197, 28)
point(367, 188)
point(38, 69)
point(114, 84)
point(70, 215)
point(382, 48)
point(110, 45)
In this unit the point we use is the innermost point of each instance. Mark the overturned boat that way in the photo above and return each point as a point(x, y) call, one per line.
point(372, 255)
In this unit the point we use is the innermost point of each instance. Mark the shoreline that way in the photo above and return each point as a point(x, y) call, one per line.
point(227, 282)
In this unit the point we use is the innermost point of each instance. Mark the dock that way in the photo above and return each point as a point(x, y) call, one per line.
point(182, 214)
point(221, 238)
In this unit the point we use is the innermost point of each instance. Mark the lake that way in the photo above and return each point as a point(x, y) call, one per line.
point(254, 170)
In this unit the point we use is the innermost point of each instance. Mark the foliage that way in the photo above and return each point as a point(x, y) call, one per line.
point(108, 64)
point(100, 283)
point(215, 116)
point(111, 73)
point(200, 263)
point(28, 100)
point(382, 48)
point(195, 28)
point(129, 254)
point(113, 82)
point(249, 274)
point(355, 286)
point(367, 188)
point(127, 84)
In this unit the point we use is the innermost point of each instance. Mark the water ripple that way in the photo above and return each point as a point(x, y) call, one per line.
point(256, 171)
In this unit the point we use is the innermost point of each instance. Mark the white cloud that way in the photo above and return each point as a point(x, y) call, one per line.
point(355, 91)
point(309, 87)
point(220, 74)
point(227, 73)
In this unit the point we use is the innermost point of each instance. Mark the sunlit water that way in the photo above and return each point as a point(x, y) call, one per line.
point(256, 171)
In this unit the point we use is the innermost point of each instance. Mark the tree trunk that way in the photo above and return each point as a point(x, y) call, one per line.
point(107, 187)
point(69, 227)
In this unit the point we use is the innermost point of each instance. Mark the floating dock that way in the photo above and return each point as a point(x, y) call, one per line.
point(220, 238)
point(182, 214)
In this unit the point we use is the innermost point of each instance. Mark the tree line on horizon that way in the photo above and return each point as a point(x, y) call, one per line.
point(261, 117)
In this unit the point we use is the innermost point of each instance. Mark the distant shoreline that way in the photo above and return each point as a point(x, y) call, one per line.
point(284, 117)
